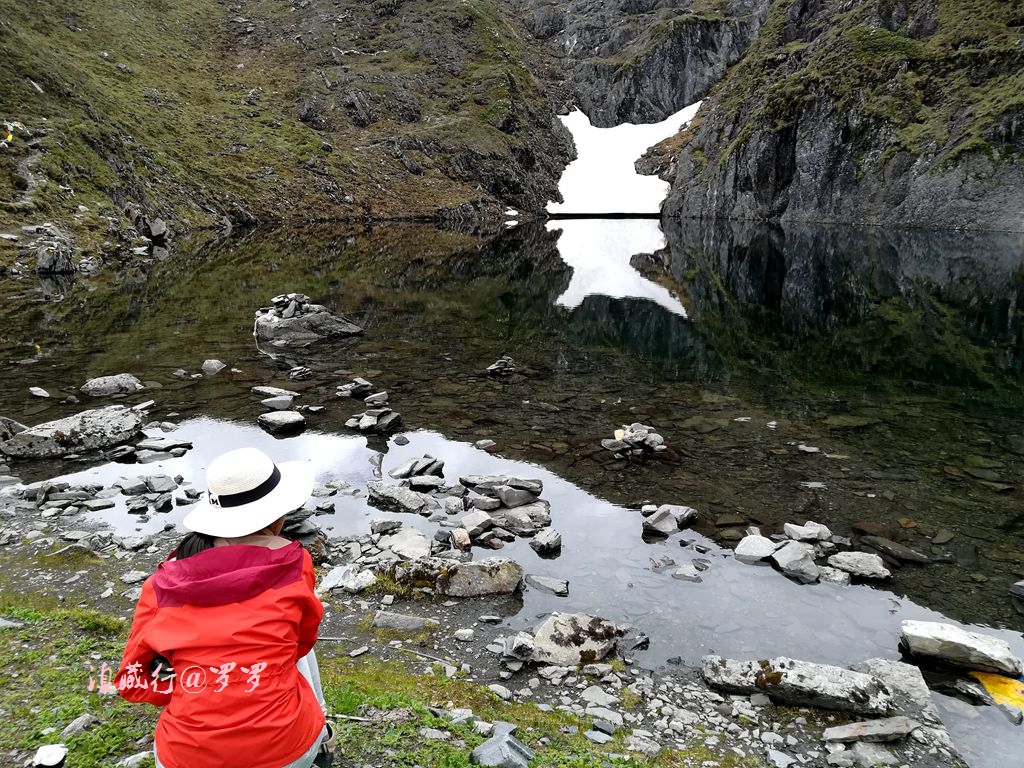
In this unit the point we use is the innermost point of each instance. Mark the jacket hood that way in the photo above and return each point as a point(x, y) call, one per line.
point(227, 574)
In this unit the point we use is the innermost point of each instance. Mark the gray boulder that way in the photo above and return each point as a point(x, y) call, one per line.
point(397, 497)
point(957, 647)
point(810, 531)
point(796, 560)
point(800, 683)
point(119, 384)
point(348, 578)
point(488, 483)
point(569, 639)
point(491, 576)
point(85, 431)
point(54, 258)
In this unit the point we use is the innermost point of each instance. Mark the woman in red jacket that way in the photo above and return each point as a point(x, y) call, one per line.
point(233, 613)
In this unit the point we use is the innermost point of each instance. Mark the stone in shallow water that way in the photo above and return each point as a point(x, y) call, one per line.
point(119, 384)
point(687, 572)
point(959, 648)
point(547, 542)
point(800, 683)
point(861, 564)
point(408, 543)
point(559, 587)
point(661, 523)
point(895, 550)
point(282, 422)
point(278, 403)
point(809, 531)
point(398, 497)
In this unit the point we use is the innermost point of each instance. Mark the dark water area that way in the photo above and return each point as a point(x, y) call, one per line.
point(897, 354)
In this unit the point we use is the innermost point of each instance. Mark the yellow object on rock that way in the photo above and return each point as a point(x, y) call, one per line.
point(1005, 690)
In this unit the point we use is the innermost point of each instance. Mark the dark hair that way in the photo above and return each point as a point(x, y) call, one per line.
point(193, 544)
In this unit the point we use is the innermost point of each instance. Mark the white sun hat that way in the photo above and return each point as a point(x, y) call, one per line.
point(247, 492)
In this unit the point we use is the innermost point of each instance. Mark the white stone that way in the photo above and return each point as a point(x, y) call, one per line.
point(753, 549)
point(862, 564)
point(960, 648)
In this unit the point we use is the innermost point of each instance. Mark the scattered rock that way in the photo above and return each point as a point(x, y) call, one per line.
point(635, 440)
point(407, 543)
point(279, 403)
point(397, 497)
point(349, 578)
point(800, 683)
point(119, 384)
point(79, 724)
point(809, 531)
point(38, 392)
point(568, 639)
point(894, 550)
point(957, 647)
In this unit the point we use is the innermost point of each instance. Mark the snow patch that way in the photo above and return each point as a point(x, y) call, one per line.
point(602, 179)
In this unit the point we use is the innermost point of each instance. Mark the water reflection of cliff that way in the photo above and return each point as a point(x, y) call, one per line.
point(936, 307)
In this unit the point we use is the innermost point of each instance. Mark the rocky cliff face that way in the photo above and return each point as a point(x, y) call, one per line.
point(884, 112)
point(640, 61)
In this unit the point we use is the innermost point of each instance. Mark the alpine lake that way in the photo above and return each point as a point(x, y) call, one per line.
point(898, 355)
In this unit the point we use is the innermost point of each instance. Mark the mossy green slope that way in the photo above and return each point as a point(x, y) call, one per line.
point(263, 110)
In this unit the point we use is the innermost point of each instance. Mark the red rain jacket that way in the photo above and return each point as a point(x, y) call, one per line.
point(240, 605)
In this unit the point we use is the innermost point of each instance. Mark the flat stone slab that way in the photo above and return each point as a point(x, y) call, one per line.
point(397, 497)
point(800, 683)
point(400, 622)
point(864, 565)
point(282, 422)
point(85, 431)
point(959, 648)
point(884, 729)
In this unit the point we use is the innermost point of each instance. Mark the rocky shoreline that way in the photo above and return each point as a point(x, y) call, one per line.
point(563, 661)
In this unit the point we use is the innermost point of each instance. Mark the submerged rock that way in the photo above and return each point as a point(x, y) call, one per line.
point(957, 647)
point(85, 431)
point(119, 384)
point(569, 639)
point(294, 322)
point(800, 683)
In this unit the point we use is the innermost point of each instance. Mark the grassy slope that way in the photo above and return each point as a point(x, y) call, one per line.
point(205, 120)
point(940, 95)
point(44, 675)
